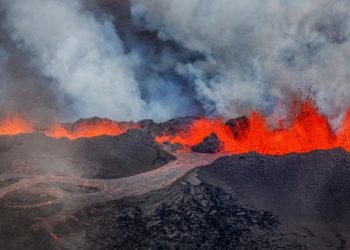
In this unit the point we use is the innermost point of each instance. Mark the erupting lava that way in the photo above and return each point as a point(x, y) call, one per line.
point(15, 125)
point(88, 128)
point(83, 128)
point(308, 131)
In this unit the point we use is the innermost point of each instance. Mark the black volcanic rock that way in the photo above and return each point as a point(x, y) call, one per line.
point(171, 147)
point(238, 126)
point(309, 192)
point(248, 201)
point(103, 156)
point(187, 215)
point(146, 123)
point(125, 155)
point(17, 231)
point(210, 145)
point(170, 127)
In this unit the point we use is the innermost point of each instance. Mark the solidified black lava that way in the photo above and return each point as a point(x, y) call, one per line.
point(170, 127)
point(17, 230)
point(188, 215)
point(238, 126)
point(223, 208)
point(101, 157)
point(131, 153)
point(309, 192)
point(248, 201)
point(210, 145)
point(8, 182)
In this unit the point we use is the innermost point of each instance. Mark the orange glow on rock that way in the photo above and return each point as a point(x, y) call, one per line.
point(88, 128)
point(15, 125)
point(309, 130)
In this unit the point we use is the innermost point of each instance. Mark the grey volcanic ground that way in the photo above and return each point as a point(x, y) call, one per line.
point(310, 192)
point(127, 192)
point(133, 152)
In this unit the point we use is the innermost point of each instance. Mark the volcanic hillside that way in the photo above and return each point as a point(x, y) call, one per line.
point(127, 192)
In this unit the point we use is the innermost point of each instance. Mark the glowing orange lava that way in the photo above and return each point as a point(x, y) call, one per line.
point(88, 128)
point(15, 125)
point(308, 131)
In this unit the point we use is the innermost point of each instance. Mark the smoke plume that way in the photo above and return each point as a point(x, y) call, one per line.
point(257, 52)
point(164, 58)
point(84, 55)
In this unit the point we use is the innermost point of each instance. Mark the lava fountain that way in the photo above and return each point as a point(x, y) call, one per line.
point(89, 128)
point(309, 130)
point(15, 125)
point(306, 130)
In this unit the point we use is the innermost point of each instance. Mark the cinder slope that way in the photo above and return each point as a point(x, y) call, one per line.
point(107, 157)
point(309, 192)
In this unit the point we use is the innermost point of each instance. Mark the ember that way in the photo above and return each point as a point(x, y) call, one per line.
point(53, 236)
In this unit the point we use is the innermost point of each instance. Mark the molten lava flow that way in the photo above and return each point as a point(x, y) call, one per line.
point(15, 125)
point(88, 128)
point(308, 131)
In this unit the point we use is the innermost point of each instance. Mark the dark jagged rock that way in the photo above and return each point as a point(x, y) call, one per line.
point(210, 145)
point(309, 192)
point(128, 154)
point(17, 231)
point(184, 216)
point(146, 123)
point(171, 147)
point(170, 127)
point(238, 126)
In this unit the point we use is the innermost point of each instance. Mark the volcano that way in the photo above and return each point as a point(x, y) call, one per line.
point(127, 191)
point(167, 124)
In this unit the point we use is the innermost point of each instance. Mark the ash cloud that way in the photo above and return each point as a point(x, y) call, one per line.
point(257, 52)
point(129, 60)
point(82, 54)
point(22, 89)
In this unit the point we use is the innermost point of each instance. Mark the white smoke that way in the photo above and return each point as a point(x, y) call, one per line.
point(3, 61)
point(258, 52)
point(225, 57)
point(82, 54)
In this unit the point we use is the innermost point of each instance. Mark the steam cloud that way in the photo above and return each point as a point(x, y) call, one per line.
point(186, 57)
point(258, 51)
point(84, 55)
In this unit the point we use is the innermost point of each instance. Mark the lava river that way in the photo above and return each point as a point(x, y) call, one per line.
point(105, 189)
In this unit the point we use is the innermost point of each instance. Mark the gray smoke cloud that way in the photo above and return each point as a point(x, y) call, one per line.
point(22, 89)
point(104, 68)
point(82, 54)
point(257, 52)
point(165, 58)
